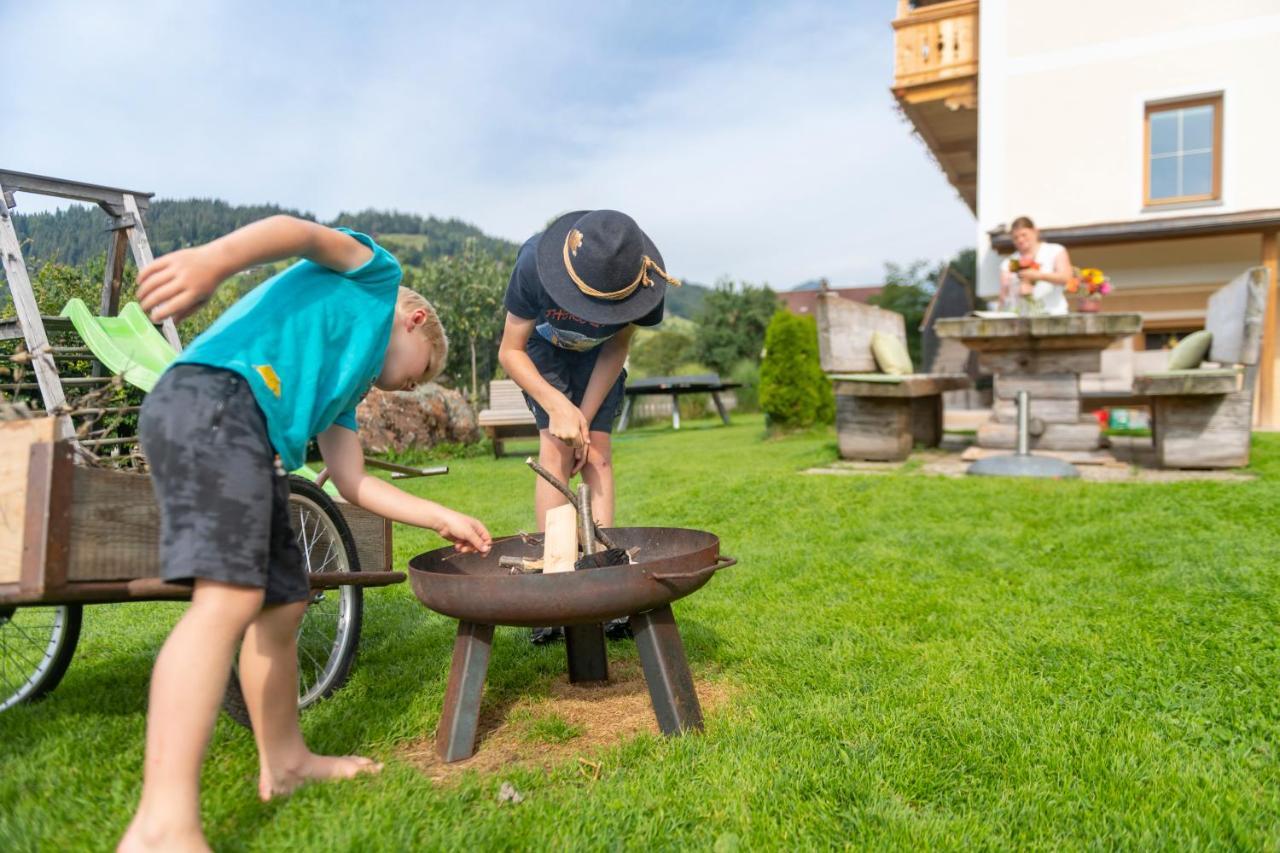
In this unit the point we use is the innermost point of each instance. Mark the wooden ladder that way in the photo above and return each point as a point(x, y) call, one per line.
point(125, 209)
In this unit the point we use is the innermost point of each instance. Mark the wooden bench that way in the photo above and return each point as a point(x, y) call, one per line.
point(1202, 418)
point(508, 415)
point(878, 416)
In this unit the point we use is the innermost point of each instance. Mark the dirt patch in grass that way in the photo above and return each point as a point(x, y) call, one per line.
point(570, 724)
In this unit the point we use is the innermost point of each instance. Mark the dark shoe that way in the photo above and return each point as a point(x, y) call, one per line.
point(543, 636)
point(618, 629)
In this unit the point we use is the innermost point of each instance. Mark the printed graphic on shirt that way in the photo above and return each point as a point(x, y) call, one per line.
point(268, 374)
point(568, 339)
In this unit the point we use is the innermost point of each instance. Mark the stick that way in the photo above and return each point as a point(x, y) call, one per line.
point(573, 499)
point(405, 470)
point(586, 524)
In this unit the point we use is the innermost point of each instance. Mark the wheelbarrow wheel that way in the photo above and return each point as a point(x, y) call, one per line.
point(330, 630)
point(36, 645)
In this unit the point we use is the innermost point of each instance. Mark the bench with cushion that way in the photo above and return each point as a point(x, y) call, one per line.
point(508, 415)
point(879, 415)
point(1202, 416)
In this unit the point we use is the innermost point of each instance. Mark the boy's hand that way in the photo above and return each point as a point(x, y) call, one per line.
point(177, 284)
point(570, 426)
point(466, 533)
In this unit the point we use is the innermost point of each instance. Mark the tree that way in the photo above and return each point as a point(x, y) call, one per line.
point(793, 389)
point(467, 292)
point(732, 323)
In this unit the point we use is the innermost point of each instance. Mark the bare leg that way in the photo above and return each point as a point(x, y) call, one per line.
point(598, 474)
point(269, 681)
point(187, 685)
point(556, 457)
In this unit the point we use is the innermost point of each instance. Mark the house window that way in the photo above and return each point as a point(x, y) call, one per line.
point(1183, 156)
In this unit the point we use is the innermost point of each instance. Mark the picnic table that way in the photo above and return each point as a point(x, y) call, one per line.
point(1045, 357)
point(705, 383)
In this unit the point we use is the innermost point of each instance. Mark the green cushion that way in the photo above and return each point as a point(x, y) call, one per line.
point(891, 354)
point(1191, 350)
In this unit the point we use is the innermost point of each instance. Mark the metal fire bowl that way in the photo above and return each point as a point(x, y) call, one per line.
point(672, 563)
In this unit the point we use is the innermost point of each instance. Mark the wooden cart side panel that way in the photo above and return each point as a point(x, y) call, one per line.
point(373, 537)
point(16, 440)
point(115, 526)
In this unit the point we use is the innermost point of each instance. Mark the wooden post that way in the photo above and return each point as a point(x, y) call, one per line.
point(24, 303)
point(141, 257)
point(114, 273)
point(1267, 411)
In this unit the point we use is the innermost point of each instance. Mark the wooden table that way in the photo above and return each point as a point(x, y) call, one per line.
point(1045, 357)
point(706, 383)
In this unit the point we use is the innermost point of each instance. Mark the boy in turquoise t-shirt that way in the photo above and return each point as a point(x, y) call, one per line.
point(288, 362)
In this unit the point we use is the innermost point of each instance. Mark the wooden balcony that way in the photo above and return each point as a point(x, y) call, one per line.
point(935, 80)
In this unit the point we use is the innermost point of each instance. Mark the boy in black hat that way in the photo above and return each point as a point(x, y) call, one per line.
point(576, 294)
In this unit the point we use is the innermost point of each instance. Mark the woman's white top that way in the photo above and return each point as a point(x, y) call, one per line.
point(1051, 297)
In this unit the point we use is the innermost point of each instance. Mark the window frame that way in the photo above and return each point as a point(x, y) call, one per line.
point(1153, 107)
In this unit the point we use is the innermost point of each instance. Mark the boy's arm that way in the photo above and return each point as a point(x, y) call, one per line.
point(613, 355)
point(344, 458)
point(567, 422)
point(176, 284)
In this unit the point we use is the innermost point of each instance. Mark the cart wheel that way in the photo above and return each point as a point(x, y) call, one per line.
point(36, 645)
point(330, 630)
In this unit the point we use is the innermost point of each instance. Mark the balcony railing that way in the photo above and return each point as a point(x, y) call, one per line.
point(935, 42)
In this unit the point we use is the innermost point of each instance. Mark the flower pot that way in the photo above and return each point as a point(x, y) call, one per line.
point(1089, 305)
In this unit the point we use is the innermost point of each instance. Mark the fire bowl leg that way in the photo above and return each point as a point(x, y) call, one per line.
point(666, 671)
point(588, 660)
point(456, 736)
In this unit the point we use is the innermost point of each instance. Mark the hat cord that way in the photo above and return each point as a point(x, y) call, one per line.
point(642, 279)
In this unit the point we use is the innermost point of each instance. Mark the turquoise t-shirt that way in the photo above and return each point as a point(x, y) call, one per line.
point(310, 343)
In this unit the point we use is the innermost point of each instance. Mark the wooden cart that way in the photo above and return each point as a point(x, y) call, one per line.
point(77, 527)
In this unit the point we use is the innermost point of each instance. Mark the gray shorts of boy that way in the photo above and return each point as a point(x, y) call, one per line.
point(569, 372)
point(224, 504)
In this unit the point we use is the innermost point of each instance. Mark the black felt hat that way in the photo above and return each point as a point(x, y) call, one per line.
point(599, 265)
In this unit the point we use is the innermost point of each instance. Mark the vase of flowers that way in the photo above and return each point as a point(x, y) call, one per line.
point(1091, 284)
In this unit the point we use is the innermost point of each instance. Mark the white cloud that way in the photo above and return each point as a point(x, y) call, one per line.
point(758, 143)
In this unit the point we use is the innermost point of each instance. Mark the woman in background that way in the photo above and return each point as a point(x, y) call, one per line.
point(1035, 274)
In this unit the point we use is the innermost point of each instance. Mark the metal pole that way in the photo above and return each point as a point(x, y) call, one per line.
point(1024, 414)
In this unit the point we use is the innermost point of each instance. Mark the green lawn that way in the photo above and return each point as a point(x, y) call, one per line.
point(915, 662)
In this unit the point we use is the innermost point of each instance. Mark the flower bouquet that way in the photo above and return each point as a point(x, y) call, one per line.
point(1091, 284)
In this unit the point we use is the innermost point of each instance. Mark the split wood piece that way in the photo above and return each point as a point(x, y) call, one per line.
point(520, 565)
point(573, 499)
point(561, 549)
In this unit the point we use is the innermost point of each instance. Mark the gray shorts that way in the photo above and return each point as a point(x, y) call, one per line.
point(224, 501)
point(569, 372)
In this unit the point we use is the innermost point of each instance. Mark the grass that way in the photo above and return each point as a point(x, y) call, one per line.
point(916, 662)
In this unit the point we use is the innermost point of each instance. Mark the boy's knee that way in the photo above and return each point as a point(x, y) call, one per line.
point(226, 604)
point(599, 459)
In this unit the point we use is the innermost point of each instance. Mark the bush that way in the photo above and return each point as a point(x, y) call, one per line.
point(794, 391)
point(747, 373)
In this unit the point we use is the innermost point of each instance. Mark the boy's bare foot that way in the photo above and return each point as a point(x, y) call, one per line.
point(313, 767)
point(142, 836)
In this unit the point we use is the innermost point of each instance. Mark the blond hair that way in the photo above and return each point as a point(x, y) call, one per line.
point(411, 300)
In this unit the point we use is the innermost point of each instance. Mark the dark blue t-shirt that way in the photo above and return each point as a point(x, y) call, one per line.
point(529, 300)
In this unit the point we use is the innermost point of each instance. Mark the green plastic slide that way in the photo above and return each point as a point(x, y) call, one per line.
point(128, 345)
point(131, 347)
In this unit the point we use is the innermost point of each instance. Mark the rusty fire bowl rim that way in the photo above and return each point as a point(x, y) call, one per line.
point(489, 595)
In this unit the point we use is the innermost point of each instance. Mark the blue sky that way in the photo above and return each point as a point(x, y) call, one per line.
point(757, 141)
